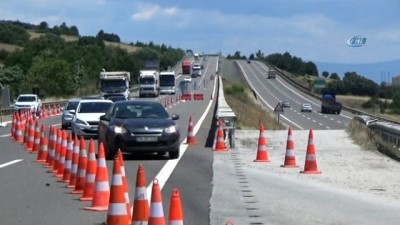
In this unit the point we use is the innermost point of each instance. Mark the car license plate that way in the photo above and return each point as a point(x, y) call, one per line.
point(146, 139)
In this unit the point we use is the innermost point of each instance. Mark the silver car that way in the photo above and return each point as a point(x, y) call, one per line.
point(306, 107)
point(66, 116)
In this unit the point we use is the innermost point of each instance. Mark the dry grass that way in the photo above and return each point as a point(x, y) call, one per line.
point(9, 47)
point(127, 47)
point(361, 135)
point(249, 113)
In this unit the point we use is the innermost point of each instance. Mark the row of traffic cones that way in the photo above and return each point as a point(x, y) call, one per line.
point(310, 166)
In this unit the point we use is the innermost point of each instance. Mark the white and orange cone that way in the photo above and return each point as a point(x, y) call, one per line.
point(262, 153)
point(310, 166)
point(191, 140)
point(90, 178)
point(156, 208)
point(175, 210)
point(141, 209)
point(81, 172)
point(74, 165)
point(290, 156)
point(220, 144)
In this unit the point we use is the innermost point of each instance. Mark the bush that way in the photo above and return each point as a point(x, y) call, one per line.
point(235, 89)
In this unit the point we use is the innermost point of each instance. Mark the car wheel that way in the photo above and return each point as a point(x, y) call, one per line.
point(174, 154)
point(64, 127)
point(111, 149)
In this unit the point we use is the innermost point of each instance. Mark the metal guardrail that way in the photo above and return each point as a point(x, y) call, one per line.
point(225, 114)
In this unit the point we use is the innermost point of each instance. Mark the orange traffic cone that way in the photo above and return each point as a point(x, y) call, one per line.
point(81, 172)
point(101, 194)
point(262, 153)
point(57, 150)
point(220, 144)
point(42, 154)
point(63, 152)
point(39, 131)
point(51, 151)
point(31, 134)
point(290, 156)
point(125, 181)
point(141, 208)
point(156, 208)
point(117, 214)
point(310, 166)
point(27, 127)
point(13, 125)
point(191, 140)
point(175, 209)
point(74, 165)
point(19, 137)
point(68, 160)
point(90, 174)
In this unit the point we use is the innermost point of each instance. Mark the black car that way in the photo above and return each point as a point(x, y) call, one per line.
point(139, 126)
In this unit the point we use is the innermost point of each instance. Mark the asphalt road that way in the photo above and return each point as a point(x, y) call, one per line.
point(271, 91)
point(32, 195)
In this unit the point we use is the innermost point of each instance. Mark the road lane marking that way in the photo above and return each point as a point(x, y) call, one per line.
point(169, 167)
point(10, 163)
point(5, 135)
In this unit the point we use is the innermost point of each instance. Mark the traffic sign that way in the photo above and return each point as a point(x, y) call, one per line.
point(278, 108)
point(319, 83)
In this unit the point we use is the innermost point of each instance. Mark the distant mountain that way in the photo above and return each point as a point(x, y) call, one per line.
point(378, 72)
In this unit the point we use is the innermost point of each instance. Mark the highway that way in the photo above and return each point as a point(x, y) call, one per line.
point(271, 91)
point(32, 195)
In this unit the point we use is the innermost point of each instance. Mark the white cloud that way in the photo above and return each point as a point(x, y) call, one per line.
point(151, 12)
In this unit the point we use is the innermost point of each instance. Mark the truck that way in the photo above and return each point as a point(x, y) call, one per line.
point(271, 74)
point(28, 102)
point(167, 82)
point(149, 83)
point(186, 66)
point(196, 70)
point(115, 83)
point(329, 103)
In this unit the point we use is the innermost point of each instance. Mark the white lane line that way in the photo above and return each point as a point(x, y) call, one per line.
point(169, 167)
point(10, 163)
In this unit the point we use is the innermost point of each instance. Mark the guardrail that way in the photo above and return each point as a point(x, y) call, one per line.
point(225, 114)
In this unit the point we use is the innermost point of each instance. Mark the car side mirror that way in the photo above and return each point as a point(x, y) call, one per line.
point(104, 117)
point(39, 100)
point(175, 117)
point(72, 111)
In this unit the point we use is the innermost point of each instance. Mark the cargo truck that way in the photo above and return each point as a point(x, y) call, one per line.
point(329, 103)
point(186, 66)
point(149, 83)
point(114, 83)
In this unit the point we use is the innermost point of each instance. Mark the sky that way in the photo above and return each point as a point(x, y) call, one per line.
point(314, 30)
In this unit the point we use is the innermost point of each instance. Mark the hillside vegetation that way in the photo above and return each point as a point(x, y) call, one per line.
point(61, 63)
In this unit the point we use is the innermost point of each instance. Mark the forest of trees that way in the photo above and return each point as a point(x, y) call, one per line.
point(64, 68)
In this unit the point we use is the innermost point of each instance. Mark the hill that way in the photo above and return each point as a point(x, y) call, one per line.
point(378, 72)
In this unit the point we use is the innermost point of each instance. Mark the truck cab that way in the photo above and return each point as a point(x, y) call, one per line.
point(115, 83)
point(329, 103)
point(149, 84)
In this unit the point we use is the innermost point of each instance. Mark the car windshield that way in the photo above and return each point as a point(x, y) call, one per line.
point(72, 105)
point(94, 107)
point(26, 99)
point(140, 111)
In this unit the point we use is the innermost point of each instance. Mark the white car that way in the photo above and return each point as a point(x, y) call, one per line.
point(187, 78)
point(29, 102)
point(87, 116)
point(306, 107)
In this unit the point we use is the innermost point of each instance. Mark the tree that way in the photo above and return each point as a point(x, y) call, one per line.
point(259, 54)
point(251, 57)
point(334, 76)
point(43, 27)
point(325, 74)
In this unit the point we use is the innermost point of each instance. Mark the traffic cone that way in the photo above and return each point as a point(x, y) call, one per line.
point(38, 133)
point(90, 174)
point(310, 166)
point(68, 160)
point(81, 172)
point(175, 210)
point(220, 144)
point(262, 153)
point(141, 207)
point(125, 181)
point(75, 161)
point(117, 214)
point(290, 156)
point(51, 150)
point(63, 153)
point(42, 154)
point(13, 125)
point(31, 134)
point(27, 124)
point(19, 133)
point(101, 194)
point(191, 140)
point(156, 208)
point(57, 150)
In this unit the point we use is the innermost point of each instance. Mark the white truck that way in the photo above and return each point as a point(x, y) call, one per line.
point(115, 83)
point(167, 82)
point(149, 83)
point(28, 102)
point(196, 70)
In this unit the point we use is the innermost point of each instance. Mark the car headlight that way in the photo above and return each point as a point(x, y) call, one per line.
point(170, 130)
point(118, 129)
point(78, 121)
